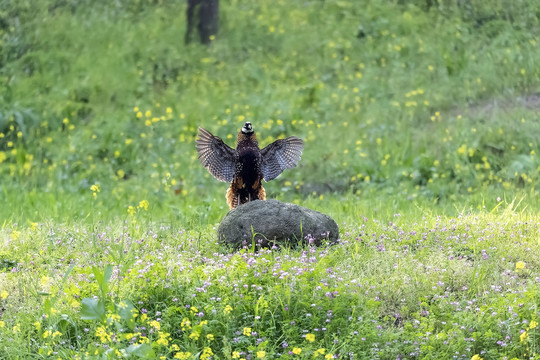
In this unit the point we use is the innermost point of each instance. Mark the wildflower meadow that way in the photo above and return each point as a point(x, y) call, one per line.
point(421, 125)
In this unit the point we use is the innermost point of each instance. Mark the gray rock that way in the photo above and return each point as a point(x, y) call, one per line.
point(273, 222)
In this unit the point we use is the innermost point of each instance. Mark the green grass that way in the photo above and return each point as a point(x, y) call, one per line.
point(416, 287)
point(421, 137)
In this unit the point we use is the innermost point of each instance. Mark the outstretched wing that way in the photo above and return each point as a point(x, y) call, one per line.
point(280, 155)
point(215, 155)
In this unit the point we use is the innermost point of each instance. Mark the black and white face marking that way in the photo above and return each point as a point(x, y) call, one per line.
point(247, 129)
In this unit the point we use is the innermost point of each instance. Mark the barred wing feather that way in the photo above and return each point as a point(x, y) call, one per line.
point(215, 155)
point(280, 155)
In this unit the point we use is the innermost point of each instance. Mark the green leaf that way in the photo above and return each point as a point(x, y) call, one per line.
point(143, 351)
point(66, 324)
point(103, 278)
point(108, 272)
point(92, 309)
point(47, 305)
point(66, 275)
point(125, 310)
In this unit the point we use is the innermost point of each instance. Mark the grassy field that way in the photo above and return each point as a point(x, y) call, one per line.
point(421, 128)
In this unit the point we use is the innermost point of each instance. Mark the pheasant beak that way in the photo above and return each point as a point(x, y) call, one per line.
point(247, 129)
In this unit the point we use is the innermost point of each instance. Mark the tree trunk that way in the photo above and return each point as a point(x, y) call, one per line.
point(207, 13)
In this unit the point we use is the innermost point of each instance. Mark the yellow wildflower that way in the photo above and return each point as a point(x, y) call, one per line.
point(520, 265)
point(144, 340)
point(101, 333)
point(261, 354)
point(185, 324)
point(310, 337)
point(144, 204)
point(163, 339)
point(155, 324)
point(235, 354)
point(247, 331)
point(476, 357)
point(207, 352)
point(95, 190)
point(44, 281)
point(533, 324)
point(4, 294)
point(182, 355)
point(297, 351)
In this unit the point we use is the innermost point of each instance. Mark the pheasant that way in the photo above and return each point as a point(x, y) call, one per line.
point(246, 166)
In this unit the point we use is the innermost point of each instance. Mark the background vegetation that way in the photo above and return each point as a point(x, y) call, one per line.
point(421, 129)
